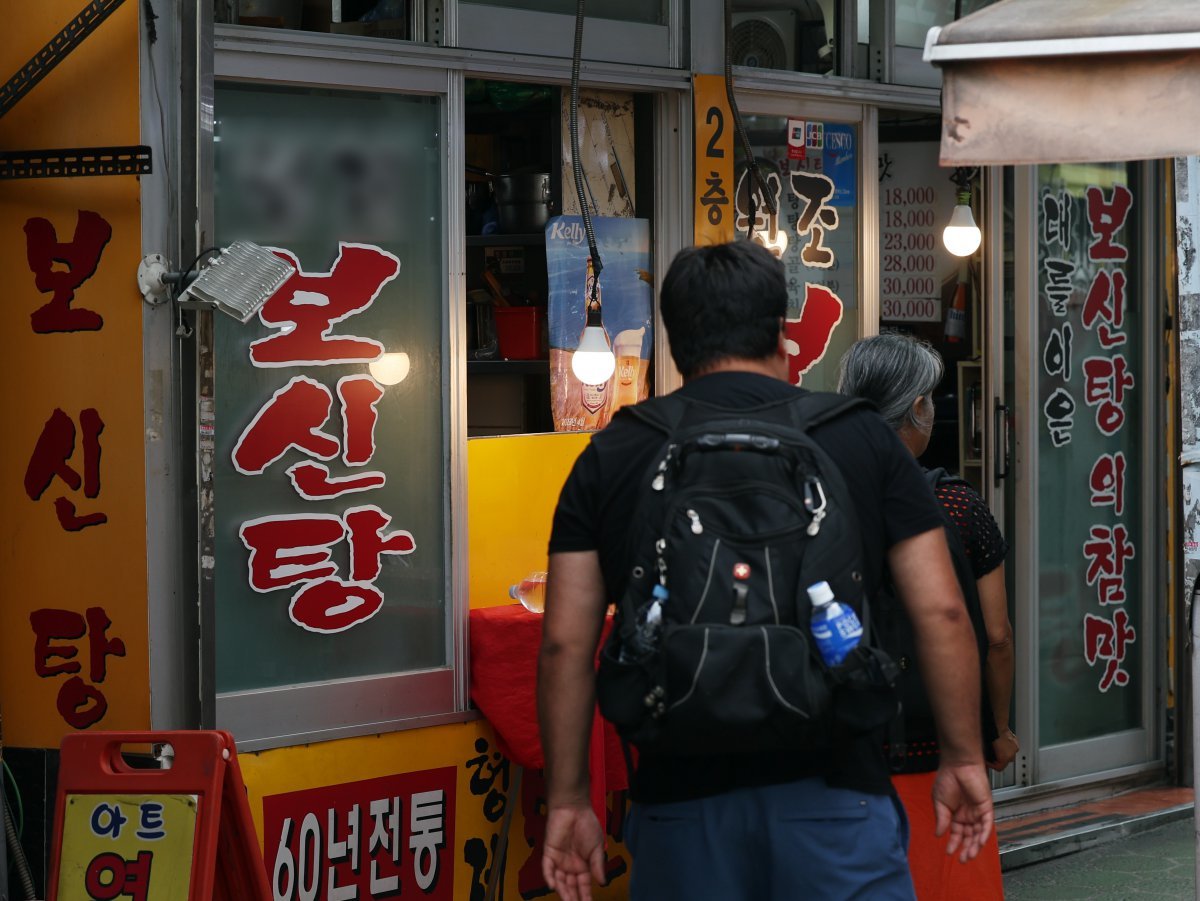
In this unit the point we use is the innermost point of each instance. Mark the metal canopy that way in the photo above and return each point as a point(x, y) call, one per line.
point(1039, 81)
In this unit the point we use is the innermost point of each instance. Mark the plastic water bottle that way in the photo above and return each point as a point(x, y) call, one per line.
point(531, 592)
point(835, 627)
point(649, 625)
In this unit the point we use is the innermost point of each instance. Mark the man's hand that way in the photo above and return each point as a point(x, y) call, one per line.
point(962, 803)
point(1005, 749)
point(573, 854)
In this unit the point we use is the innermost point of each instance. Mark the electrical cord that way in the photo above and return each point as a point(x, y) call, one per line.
point(17, 853)
point(182, 328)
point(576, 165)
point(739, 127)
point(17, 796)
point(187, 273)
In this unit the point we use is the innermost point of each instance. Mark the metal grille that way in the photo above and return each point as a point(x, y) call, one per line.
point(241, 279)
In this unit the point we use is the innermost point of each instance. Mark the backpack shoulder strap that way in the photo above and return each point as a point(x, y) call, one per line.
point(815, 408)
point(663, 413)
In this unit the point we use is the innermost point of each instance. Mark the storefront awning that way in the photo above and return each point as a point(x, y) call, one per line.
point(1033, 81)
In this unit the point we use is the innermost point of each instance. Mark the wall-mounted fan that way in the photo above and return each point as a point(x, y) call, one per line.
point(765, 39)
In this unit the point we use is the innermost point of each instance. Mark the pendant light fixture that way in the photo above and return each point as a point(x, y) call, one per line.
point(593, 361)
point(962, 236)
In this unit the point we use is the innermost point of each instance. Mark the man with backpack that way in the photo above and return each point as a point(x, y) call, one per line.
point(705, 516)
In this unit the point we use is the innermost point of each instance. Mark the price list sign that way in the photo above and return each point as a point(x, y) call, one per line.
point(916, 198)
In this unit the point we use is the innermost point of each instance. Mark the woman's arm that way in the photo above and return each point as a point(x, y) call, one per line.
point(999, 667)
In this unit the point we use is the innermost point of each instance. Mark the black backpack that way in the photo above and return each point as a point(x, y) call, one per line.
point(912, 736)
point(737, 516)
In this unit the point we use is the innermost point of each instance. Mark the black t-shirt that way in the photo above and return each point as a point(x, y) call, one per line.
point(892, 500)
point(981, 538)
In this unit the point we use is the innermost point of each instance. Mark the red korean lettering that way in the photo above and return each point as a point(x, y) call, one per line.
point(50, 460)
point(291, 418)
point(80, 256)
point(313, 482)
point(1106, 218)
point(1107, 482)
point(1105, 383)
point(100, 646)
point(368, 543)
point(1106, 641)
point(81, 705)
point(51, 625)
point(308, 305)
point(1104, 308)
point(359, 395)
point(1106, 553)
point(332, 605)
point(811, 333)
point(285, 550)
point(109, 876)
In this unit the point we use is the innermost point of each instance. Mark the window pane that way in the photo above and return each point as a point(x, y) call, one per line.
point(1091, 391)
point(796, 37)
point(914, 18)
point(650, 12)
point(811, 171)
point(366, 18)
point(304, 170)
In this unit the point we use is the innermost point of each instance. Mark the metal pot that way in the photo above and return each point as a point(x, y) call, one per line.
point(522, 200)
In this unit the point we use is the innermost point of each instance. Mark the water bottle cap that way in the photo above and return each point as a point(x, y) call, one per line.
point(660, 592)
point(820, 593)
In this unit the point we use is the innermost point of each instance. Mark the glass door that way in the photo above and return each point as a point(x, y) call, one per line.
point(330, 423)
point(1078, 372)
point(812, 158)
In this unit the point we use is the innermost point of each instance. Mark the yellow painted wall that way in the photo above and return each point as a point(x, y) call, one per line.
point(512, 488)
point(91, 99)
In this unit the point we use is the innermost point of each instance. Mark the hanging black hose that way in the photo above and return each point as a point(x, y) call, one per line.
point(576, 165)
point(751, 160)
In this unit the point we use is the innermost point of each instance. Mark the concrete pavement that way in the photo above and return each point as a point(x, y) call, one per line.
point(1159, 863)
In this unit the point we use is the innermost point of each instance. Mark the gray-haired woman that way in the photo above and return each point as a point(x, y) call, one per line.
point(899, 373)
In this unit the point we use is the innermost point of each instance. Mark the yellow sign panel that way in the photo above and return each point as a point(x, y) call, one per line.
point(127, 846)
point(713, 206)
point(73, 652)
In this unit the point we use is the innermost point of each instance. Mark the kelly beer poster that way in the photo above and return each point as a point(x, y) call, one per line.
point(626, 295)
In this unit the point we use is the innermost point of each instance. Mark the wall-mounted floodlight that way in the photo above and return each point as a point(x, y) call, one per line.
point(237, 282)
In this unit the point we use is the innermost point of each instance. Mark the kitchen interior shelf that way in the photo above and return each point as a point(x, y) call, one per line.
point(505, 367)
point(535, 239)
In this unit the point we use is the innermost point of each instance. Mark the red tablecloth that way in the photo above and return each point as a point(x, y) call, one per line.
point(504, 652)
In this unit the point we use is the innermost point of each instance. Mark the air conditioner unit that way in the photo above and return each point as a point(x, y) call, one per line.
point(765, 39)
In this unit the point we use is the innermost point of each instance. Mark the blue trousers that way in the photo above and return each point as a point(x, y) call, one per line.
point(800, 841)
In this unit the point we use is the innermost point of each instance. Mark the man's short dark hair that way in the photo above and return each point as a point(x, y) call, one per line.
point(721, 302)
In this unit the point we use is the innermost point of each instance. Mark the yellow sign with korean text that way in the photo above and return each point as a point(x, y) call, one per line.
point(713, 204)
point(73, 626)
point(119, 846)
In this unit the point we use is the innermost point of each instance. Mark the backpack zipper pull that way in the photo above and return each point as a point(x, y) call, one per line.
point(741, 573)
point(697, 526)
point(660, 476)
point(814, 503)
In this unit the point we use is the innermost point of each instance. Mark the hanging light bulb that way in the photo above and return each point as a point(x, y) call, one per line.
point(962, 235)
point(593, 361)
